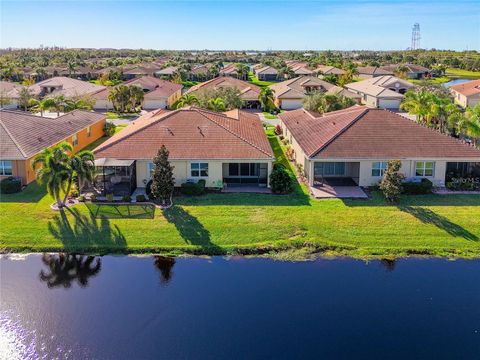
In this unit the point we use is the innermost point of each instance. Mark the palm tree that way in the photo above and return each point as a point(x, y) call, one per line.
point(401, 71)
point(71, 68)
point(242, 71)
point(41, 105)
point(24, 97)
point(186, 100)
point(58, 103)
point(216, 105)
point(136, 97)
point(418, 104)
point(52, 169)
point(473, 123)
point(78, 103)
point(266, 99)
point(81, 164)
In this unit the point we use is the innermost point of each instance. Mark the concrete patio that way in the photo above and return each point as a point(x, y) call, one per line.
point(339, 192)
point(247, 189)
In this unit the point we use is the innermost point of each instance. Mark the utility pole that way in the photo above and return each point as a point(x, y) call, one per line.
point(415, 37)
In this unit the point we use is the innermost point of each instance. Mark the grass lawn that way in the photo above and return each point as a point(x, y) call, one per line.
point(253, 79)
point(267, 115)
point(459, 73)
point(247, 224)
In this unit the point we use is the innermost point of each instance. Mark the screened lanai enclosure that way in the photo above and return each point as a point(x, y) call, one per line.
point(238, 174)
point(336, 173)
point(113, 176)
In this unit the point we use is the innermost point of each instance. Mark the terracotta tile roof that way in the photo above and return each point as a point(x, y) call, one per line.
point(379, 86)
point(167, 71)
point(23, 135)
point(9, 89)
point(68, 87)
point(247, 91)
point(329, 70)
point(301, 70)
point(411, 68)
point(266, 70)
point(363, 133)
point(190, 133)
point(468, 88)
point(373, 70)
point(230, 69)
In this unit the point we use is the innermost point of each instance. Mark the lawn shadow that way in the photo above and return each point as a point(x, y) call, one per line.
point(427, 216)
point(191, 230)
point(80, 232)
point(121, 211)
point(65, 269)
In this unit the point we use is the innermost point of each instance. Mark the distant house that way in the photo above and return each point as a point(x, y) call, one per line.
point(367, 72)
point(200, 72)
point(167, 72)
point(9, 94)
point(414, 71)
point(301, 70)
point(229, 70)
point(289, 94)
point(248, 92)
point(466, 94)
point(221, 148)
point(266, 73)
point(159, 94)
point(329, 70)
point(353, 146)
point(385, 92)
point(23, 136)
point(65, 86)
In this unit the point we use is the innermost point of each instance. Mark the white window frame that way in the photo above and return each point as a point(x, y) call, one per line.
point(89, 131)
point(75, 139)
point(2, 167)
point(424, 168)
point(151, 167)
point(199, 163)
point(382, 167)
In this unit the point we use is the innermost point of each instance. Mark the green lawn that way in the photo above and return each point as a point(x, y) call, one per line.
point(253, 79)
point(247, 224)
point(459, 73)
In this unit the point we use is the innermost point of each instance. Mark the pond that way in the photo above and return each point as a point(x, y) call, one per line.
point(455, 82)
point(79, 307)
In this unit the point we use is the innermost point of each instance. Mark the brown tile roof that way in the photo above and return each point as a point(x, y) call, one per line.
point(373, 70)
point(380, 86)
point(229, 70)
point(68, 87)
point(23, 135)
point(247, 91)
point(190, 133)
point(329, 70)
point(411, 68)
point(468, 88)
point(363, 133)
point(266, 70)
point(9, 89)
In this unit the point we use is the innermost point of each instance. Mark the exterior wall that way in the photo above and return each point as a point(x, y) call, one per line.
point(103, 105)
point(171, 100)
point(465, 101)
point(290, 104)
point(181, 171)
point(389, 103)
point(151, 104)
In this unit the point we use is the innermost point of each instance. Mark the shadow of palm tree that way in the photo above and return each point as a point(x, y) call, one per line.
point(85, 232)
point(427, 216)
point(65, 269)
point(388, 264)
point(122, 211)
point(164, 264)
point(191, 230)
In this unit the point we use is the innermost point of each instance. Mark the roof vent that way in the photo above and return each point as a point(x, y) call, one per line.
point(39, 139)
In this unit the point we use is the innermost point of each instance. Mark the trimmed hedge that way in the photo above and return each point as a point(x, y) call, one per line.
point(197, 188)
point(418, 188)
point(11, 185)
point(141, 198)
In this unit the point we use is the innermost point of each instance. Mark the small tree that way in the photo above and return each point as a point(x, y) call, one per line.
point(280, 180)
point(24, 96)
point(391, 184)
point(162, 179)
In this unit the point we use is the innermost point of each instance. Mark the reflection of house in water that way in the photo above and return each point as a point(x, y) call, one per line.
point(65, 269)
point(165, 264)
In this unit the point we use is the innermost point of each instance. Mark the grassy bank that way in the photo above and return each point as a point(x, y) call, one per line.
point(247, 224)
point(460, 73)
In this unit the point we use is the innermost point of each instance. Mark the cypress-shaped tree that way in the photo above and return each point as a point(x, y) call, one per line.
point(162, 179)
point(391, 184)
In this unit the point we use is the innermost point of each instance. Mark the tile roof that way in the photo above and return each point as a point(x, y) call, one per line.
point(301, 70)
point(468, 88)
point(167, 71)
point(230, 69)
point(414, 68)
point(247, 91)
point(23, 135)
point(9, 89)
point(329, 70)
point(363, 133)
point(379, 86)
point(68, 87)
point(373, 70)
point(266, 70)
point(190, 133)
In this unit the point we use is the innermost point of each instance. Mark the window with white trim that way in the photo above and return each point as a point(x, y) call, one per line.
point(379, 168)
point(75, 140)
point(151, 167)
point(424, 168)
point(89, 131)
point(199, 169)
point(5, 167)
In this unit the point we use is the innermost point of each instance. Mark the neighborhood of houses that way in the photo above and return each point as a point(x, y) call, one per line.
point(337, 153)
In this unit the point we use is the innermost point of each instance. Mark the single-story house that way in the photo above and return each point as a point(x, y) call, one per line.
point(414, 71)
point(289, 94)
point(9, 94)
point(23, 136)
point(384, 92)
point(167, 72)
point(221, 148)
point(229, 70)
point(62, 85)
point(466, 94)
point(355, 144)
point(301, 70)
point(368, 72)
point(159, 94)
point(266, 73)
point(248, 92)
point(329, 70)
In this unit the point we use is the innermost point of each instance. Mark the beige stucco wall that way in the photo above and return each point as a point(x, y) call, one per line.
point(465, 101)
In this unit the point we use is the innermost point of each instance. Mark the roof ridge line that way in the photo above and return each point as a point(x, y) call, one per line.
point(13, 139)
point(233, 133)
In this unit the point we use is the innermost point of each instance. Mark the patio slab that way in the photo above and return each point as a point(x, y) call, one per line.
point(247, 189)
point(339, 192)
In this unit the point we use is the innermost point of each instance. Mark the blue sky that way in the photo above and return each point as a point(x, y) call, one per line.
point(296, 25)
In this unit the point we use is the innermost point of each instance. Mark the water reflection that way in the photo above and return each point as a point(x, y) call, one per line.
point(388, 264)
point(65, 269)
point(165, 264)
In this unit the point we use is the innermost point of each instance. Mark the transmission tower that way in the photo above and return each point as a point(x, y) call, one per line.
point(415, 36)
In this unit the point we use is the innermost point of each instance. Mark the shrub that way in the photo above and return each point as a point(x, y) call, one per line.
point(126, 198)
point(391, 184)
point(193, 188)
point(290, 152)
point(285, 141)
point(93, 198)
point(141, 198)
point(280, 179)
point(278, 130)
point(109, 197)
point(81, 198)
point(109, 129)
point(74, 190)
point(417, 188)
point(11, 185)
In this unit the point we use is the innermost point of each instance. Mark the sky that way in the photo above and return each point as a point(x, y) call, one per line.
point(240, 25)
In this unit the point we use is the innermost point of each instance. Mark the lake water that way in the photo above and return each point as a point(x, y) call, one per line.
point(455, 82)
point(145, 307)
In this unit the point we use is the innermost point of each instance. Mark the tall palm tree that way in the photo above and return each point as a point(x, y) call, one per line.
point(216, 105)
point(401, 71)
point(136, 97)
point(81, 164)
point(418, 104)
point(58, 103)
point(71, 68)
point(186, 100)
point(266, 99)
point(77, 103)
point(41, 105)
point(242, 71)
point(52, 169)
point(473, 124)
